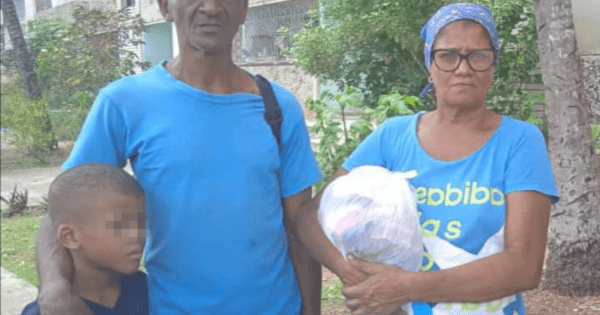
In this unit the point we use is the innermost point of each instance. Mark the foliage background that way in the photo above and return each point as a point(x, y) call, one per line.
point(375, 45)
point(372, 52)
point(74, 60)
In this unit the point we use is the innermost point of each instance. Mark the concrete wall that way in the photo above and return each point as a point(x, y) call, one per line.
point(287, 75)
point(29, 11)
point(57, 3)
point(256, 3)
point(150, 12)
point(65, 11)
point(586, 16)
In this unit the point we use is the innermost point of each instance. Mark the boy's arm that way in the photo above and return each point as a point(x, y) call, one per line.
point(55, 271)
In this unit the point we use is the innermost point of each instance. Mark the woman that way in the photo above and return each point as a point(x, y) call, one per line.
point(484, 187)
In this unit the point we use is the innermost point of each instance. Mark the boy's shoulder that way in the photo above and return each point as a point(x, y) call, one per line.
point(32, 308)
point(134, 293)
point(133, 298)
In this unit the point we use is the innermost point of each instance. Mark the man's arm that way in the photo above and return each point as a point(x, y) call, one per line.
point(55, 271)
point(304, 224)
point(307, 269)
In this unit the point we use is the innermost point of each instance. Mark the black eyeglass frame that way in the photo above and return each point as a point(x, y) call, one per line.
point(466, 57)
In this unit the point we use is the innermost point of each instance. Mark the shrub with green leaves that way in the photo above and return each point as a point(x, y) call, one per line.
point(76, 59)
point(30, 122)
point(84, 55)
point(67, 121)
point(336, 139)
point(375, 45)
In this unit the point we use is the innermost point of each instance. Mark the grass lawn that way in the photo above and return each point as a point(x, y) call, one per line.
point(18, 246)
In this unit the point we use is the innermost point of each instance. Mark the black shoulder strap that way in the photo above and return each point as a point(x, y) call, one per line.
point(272, 111)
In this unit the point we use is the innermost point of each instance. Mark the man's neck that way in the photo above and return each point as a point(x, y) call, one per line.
point(99, 286)
point(211, 72)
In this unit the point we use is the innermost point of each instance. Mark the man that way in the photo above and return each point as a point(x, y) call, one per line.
point(222, 199)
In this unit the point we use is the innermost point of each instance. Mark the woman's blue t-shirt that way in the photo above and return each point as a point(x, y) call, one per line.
point(462, 203)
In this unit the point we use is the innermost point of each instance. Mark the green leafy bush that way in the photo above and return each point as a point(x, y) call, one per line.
point(84, 55)
point(9, 88)
point(67, 120)
point(375, 45)
point(336, 139)
point(76, 59)
point(30, 122)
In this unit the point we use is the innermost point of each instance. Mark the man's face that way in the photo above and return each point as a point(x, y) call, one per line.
point(205, 25)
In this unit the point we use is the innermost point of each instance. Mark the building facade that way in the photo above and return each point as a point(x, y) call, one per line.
point(257, 46)
point(586, 16)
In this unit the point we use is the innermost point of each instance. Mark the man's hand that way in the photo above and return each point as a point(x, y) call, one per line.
point(61, 301)
point(55, 270)
point(381, 293)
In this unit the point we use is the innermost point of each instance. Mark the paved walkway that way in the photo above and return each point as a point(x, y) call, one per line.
point(16, 293)
point(35, 180)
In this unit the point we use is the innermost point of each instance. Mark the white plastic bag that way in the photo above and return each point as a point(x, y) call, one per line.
point(371, 213)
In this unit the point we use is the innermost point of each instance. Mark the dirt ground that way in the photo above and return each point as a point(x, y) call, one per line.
point(537, 302)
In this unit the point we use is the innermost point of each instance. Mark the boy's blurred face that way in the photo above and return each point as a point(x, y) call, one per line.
point(114, 235)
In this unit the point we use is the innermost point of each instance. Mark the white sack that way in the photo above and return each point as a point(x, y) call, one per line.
point(371, 213)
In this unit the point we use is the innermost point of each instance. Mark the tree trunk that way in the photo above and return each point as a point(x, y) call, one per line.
point(574, 238)
point(24, 60)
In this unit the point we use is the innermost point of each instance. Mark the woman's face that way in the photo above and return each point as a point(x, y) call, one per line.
point(463, 86)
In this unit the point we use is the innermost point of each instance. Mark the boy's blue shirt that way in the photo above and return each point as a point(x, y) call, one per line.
point(133, 299)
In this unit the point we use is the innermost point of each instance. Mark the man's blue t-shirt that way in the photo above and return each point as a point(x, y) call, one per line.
point(133, 299)
point(214, 181)
point(462, 203)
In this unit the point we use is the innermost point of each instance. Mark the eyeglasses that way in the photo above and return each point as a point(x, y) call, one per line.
point(449, 60)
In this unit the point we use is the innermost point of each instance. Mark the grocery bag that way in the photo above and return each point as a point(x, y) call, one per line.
point(371, 213)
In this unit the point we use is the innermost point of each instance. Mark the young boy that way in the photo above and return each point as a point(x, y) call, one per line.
point(98, 213)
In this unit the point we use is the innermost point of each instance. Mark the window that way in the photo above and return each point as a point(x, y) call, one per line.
point(261, 41)
point(127, 3)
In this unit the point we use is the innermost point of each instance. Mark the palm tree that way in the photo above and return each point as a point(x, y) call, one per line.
point(24, 59)
point(26, 63)
point(574, 240)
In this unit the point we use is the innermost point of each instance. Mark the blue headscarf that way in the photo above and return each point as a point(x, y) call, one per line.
point(450, 13)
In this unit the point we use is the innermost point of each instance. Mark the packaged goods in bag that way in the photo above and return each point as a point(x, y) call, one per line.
point(371, 213)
